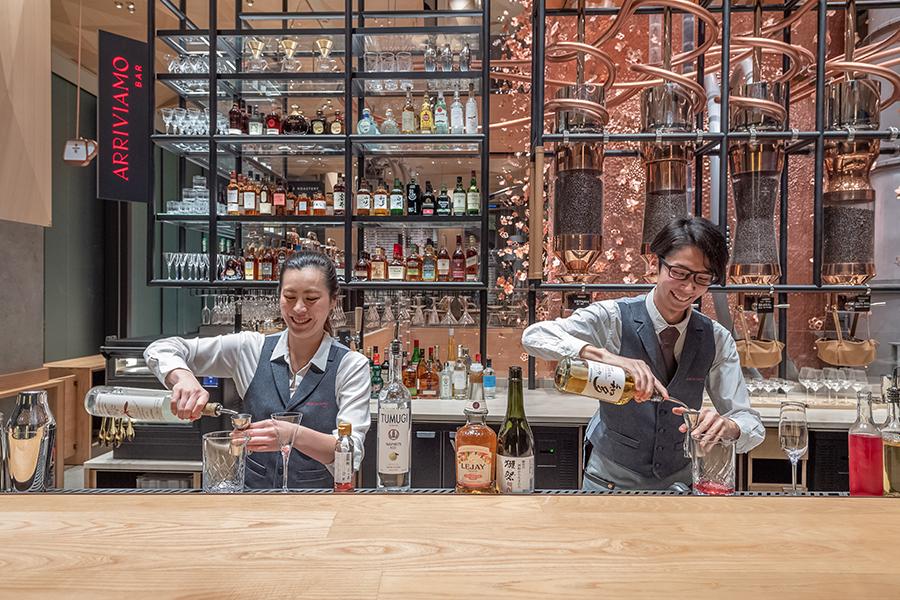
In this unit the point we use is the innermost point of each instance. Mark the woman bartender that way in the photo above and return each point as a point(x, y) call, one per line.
point(300, 369)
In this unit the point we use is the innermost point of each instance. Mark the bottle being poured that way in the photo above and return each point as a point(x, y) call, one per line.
point(604, 382)
point(141, 405)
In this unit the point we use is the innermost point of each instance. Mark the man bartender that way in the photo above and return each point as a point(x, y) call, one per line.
point(669, 348)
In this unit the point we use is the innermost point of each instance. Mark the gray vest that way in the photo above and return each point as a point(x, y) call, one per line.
point(315, 397)
point(644, 437)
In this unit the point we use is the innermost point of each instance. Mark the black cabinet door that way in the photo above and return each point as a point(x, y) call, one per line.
point(425, 457)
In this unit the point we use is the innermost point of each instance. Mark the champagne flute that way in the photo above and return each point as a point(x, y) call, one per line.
point(286, 426)
point(793, 433)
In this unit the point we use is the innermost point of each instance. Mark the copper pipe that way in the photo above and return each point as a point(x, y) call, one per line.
point(876, 70)
point(600, 55)
point(773, 109)
point(585, 106)
point(698, 100)
point(536, 216)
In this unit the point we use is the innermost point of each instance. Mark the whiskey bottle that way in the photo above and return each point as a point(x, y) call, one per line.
point(412, 197)
point(235, 119)
point(250, 264)
point(292, 124)
point(428, 206)
point(429, 263)
point(413, 264)
point(426, 117)
point(378, 267)
point(233, 206)
point(396, 199)
point(255, 125)
point(361, 270)
point(265, 200)
point(476, 447)
point(515, 442)
point(140, 405)
point(397, 268)
point(301, 208)
point(458, 262)
point(336, 127)
point(443, 203)
point(408, 117)
point(409, 376)
point(319, 206)
point(273, 122)
point(597, 380)
point(363, 199)
point(472, 260)
point(317, 124)
point(473, 197)
point(248, 195)
point(245, 118)
point(343, 458)
point(429, 383)
point(291, 198)
point(267, 265)
point(339, 197)
point(443, 264)
point(394, 429)
point(380, 201)
point(459, 199)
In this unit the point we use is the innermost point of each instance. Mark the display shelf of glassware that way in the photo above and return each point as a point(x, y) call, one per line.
point(820, 388)
point(427, 309)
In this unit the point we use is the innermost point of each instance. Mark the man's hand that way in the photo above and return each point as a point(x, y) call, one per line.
point(645, 383)
point(711, 426)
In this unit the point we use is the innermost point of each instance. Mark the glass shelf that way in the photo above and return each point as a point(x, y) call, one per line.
point(420, 222)
point(283, 145)
point(226, 226)
point(417, 145)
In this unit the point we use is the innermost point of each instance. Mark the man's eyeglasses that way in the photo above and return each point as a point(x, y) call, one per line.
point(680, 273)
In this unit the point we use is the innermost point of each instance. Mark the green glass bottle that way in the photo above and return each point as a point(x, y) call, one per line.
point(515, 443)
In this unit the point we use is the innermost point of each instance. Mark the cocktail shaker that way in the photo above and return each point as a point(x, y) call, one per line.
point(30, 437)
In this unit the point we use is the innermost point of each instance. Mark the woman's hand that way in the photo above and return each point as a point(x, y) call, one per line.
point(645, 383)
point(263, 435)
point(711, 427)
point(188, 396)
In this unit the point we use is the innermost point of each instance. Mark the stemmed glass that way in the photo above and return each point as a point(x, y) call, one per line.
point(388, 315)
point(167, 115)
point(373, 320)
point(753, 384)
point(858, 380)
point(832, 379)
point(418, 318)
point(171, 258)
point(811, 379)
point(434, 318)
point(286, 426)
point(205, 314)
point(178, 116)
point(793, 433)
point(465, 318)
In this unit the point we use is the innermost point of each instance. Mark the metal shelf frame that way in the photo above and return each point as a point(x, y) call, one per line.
point(351, 23)
point(716, 143)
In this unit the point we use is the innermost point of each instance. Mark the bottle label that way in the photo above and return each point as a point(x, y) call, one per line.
point(515, 475)
point(254, 128)
point(473, 200)
point(396, 201)
point(440, 116)
point(456, 118)
point(302, 206)
point(395, 273)
point(471, 261)
point(139, 409)
point(381, 201)
point(427, 211)
point(443, 266)
point(249, 200)
point(319, 205)
point(393, 440)
point(428, 273)
point(279, 199)
point(459, 203)
point(233, 200)
point(605, 382)
point(490, 383)
point(272, 131)
point(474, 466)
point(339, 201)
point(336, 128)
point(471, 119)
point(318, 127)
point(364, 127)
point(343, 467)
point(459, 379)
point(408, 121)
point(363, 201)
point(248, 270)
point(266, 271)
point(425, 120)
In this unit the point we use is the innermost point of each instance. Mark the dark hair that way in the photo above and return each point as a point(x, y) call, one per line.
point(697, 232)
point(309, 259)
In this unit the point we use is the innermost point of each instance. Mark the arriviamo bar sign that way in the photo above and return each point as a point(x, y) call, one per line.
point(123, 119)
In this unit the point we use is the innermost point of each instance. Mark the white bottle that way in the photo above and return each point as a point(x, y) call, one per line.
point(394, 429)
point(138, 404)
point(457, 116)
point(471, 114)
point(343, 458)
point(460, 380)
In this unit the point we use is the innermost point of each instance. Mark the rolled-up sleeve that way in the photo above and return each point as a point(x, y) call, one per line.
point(353, 388)
point(728, 392)
point(598, 325)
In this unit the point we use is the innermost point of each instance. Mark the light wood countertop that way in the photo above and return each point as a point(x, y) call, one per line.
point(420, 546)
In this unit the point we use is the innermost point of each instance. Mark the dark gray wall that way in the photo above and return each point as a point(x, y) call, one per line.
point(21, 296)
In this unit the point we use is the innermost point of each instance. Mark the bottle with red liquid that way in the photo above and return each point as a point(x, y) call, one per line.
point(866, 451)
point(343, 459)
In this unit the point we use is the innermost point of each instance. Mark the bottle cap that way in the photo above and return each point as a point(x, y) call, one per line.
point(515, 373)
point(344, 428)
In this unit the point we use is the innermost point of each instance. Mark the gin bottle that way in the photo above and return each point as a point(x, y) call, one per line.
point(394, 429)
point(457, 115)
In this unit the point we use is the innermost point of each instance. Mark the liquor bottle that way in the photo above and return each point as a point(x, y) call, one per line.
point(273, 122)
point(413, 194)
point(426, 116)
point(302, 206)
point(329, 204)
point(397, 267)
point(255, 125)
point(410, 379)
point(473, 197)
point(281, 257)
point(361, 270)
point(408, 117)
point(866, 452)
point(267, 265)
point(457, 115)
point(890, 433)
point(380, 200)
point(428, 206)
point(377, 380)
point(343, 458)
point(233, 206)
point(465, 57)
point(441, 119)
point(443, 203)
point(445, 381)
point(265, 200)
point(476, 447)
point(471, 113)
point(389, 125)
point(290, 208)
point(429, 382)
point(29, 437)
point(460, 377)
point(446, 58)
point(413, 264)
point(394, 429)
point(235, 119)
point(250, 264)
point(336, 126)
point(458, 262)
point(249, 198)
point(378, 267)
point(429, 263)
point(234, 268)
point(363, 199)
point(140, 405)
point(459, 199)
point(245, 118)
point(319, 206)
point(317, 123)
point(292, 123)
point(339, 197)
point(430, 57)
point(443, 264)
point(490, 380)
point(596, 380)
point(366, 124)
point(515, 442)
point(472, 260)
point(476, 366)
point(395, 202)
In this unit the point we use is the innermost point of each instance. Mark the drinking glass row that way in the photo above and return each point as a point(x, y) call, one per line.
point(191, 121)
point(187, 266)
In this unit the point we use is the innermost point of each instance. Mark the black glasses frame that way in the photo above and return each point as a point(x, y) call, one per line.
point(693, 274)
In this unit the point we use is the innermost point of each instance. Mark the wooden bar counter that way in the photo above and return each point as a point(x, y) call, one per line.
point(446, 546)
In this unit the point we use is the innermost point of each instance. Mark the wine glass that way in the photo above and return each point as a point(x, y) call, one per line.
point(786, 386)
point(793, 433)
point(286, 426)
point(170, 262)
point(859, 381)
point(167, 115)
point(205, 314)
point(832, 380)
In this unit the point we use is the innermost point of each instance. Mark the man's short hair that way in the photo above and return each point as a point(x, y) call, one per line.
point(698, 232)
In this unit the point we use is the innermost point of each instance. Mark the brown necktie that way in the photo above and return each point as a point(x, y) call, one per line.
point(667, 339)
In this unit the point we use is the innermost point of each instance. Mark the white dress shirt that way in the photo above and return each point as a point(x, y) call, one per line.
point(237, 356)
point(600, 325)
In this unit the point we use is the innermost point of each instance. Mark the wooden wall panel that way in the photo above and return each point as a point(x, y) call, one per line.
point(25, 111)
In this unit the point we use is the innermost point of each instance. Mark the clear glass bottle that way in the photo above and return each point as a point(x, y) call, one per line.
point(460, 376)
point(596, 380)
point(441, 119)
point(476, 447)
point(366, 125)
point(465, 57)
point(866, 453)
point(339, 196)
point(446, 58)
point(430, 56)
point(389, 125)
point(255, 124)
point(343, 459)
point(446, 381)
point(890, 434)
point(515, 442)
point(457, 115)
point(408, 118)
point(471, 113)
point(490, 380)
point(30, 441)
point(394, 429)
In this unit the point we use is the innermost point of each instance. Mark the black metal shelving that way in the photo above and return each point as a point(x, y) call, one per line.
point(351, 31)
